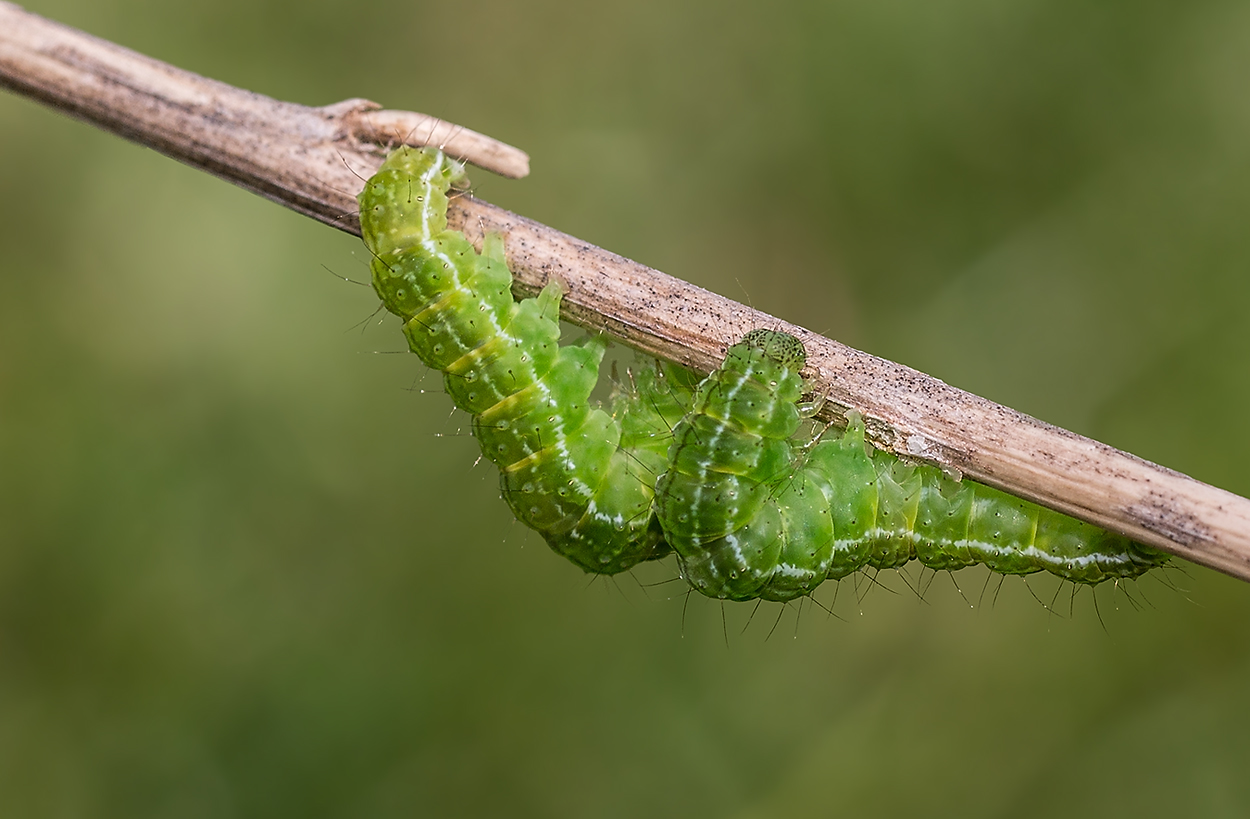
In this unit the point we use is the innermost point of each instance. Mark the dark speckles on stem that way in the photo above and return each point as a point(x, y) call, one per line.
point(1158, 513)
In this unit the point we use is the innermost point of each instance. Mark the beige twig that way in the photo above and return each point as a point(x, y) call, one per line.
point(313, 160)
point(410, 128)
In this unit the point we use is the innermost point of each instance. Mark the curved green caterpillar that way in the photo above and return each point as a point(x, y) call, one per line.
point(750, 511)
point(751, 514)
point(579, 475)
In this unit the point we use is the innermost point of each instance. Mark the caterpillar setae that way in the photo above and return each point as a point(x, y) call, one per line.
point(581, 476)
point(753, 514)
point(751, 509)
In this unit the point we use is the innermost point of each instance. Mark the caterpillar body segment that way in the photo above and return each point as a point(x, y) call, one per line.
point(717, 470)
point(752, 513)
point(917, 512)
point(566, 468)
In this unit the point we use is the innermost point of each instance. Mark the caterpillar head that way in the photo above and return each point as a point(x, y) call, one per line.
point(405, 202)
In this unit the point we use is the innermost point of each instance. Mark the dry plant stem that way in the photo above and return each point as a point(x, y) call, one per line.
point(389, 127)
point(260, 143)
point(313, 160)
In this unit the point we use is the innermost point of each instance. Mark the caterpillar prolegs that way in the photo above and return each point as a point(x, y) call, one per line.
point(581, 476)
point(752, 513)
point(752, 510)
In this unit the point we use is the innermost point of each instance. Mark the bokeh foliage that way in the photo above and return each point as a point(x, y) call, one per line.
point(248, 569)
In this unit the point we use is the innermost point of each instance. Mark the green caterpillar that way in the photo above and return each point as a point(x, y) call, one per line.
point(751, 510)
point(581, 476)
point(752, 514)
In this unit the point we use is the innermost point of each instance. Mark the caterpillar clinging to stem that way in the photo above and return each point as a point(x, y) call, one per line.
point(752, 509)
point(753, 513)
point(581, 476)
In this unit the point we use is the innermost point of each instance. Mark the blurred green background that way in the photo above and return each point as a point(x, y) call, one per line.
point(247, 570)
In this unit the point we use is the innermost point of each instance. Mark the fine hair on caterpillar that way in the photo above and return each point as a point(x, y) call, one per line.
point(752, 511)
point(718, 470)
point(862, 592)
point(568, 467)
